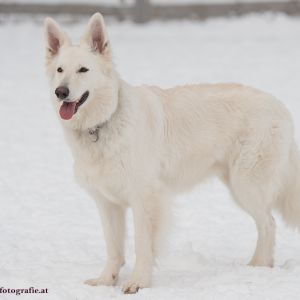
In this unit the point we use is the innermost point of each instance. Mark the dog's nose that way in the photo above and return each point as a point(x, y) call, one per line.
point(62, 92)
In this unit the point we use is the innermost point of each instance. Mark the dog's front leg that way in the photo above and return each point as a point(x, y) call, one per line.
point(141, 275)
point(113, 223)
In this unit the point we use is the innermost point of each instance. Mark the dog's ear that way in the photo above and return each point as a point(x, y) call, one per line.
point(55, 37)
point(95, 35)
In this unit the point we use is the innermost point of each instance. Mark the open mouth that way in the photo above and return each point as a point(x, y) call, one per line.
point(68, 109)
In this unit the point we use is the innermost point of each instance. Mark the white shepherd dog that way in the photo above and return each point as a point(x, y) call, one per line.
point(138, 146)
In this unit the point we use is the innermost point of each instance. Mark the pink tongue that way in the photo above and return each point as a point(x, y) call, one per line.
point(67, 110)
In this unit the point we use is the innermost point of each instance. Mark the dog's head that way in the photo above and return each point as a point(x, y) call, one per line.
point(84, 84)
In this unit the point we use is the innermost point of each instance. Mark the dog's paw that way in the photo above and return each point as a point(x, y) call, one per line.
point(261, 263)
point(108, 280)
point(132, 286)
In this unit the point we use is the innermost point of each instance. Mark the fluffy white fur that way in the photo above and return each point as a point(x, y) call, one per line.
point(154, 143)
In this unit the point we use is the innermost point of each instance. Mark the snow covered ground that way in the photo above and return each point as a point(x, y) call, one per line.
point(50, 231)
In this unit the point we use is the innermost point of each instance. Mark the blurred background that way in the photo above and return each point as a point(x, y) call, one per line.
point(50, 229)
point(145, 10)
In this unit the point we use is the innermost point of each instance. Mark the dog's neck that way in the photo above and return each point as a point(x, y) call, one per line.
point(94, 131)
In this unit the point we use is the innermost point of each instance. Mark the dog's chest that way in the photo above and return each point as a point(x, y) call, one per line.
point(99, 168)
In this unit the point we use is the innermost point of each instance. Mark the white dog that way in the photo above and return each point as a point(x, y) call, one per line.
point(138, 146)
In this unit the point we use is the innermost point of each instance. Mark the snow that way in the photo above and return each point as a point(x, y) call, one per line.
point(50, 230)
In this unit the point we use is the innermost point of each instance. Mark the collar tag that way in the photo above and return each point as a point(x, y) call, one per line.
point(94, 133)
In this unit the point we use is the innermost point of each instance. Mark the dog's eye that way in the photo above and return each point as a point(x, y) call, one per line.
point(83, 70)
point(59, 70)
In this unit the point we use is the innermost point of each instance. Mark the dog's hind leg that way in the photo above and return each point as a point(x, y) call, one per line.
point(254, 180)
point(264, 252)
point(253, 200)
point(256, 170)
point(113, 223)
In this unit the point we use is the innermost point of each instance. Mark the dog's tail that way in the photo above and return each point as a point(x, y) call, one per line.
point(288, 203)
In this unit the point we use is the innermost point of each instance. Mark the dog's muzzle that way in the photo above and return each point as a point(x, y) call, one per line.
point(69, 108)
